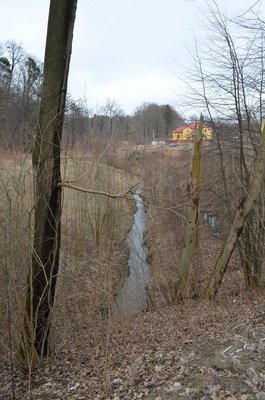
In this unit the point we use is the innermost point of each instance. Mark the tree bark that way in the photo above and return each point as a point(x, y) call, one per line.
point(191, 232)
point(47, 176)
point(244, 207)
point(250, 246)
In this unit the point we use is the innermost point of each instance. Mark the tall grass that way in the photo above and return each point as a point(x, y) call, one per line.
point(94, 254)
point(94, 251)
point(15, 245)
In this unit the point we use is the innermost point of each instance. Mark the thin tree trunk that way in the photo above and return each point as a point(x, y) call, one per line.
point(245, 206)
point(47, 176)
point(251, 246)
point(191, 232)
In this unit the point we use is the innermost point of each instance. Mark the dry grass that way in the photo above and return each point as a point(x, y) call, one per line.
point(89, 348)
point(15, 244)
point(93, 251)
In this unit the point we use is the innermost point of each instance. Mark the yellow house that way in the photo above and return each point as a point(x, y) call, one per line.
point(186, 133)
point(207, 133)
point(180, 134)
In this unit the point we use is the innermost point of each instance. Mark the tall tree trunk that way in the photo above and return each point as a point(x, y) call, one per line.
point(46, 175)
point(191, 232)
point(244, 207)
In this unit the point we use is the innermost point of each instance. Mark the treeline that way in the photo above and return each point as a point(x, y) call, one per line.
point(20, 93)
point(20, 88)
point(109, 122)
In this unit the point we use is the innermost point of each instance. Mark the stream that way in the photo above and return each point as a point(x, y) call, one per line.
point(213, 221)
point(132, 298)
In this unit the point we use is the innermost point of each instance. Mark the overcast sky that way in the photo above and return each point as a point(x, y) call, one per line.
point(127, 50)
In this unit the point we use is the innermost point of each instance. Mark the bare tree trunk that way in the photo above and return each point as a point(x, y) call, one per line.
point(245, 205)
point(191, 232)
point(46, 175)
point(251, 248)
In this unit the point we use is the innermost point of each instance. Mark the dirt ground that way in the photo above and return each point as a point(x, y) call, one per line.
point(196, 350)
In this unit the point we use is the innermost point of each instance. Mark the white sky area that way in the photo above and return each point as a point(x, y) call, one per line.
point(129, 51)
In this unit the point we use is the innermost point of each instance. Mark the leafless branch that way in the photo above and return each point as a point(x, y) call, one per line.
point(113, 196)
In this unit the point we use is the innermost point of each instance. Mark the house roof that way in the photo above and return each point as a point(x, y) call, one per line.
point(192, 126)
point(180, 129)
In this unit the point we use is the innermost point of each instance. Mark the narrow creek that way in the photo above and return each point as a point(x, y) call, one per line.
point(132, 298)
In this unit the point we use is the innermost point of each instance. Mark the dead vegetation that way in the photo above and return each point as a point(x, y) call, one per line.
point(195, 350)
point(166, 353)
point(94, 252)
point(166, 195)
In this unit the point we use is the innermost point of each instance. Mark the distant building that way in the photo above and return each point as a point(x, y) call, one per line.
point(186, 133)
point(158, 142)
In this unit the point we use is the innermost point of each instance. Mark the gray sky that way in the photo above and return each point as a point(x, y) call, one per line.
point(128, 51)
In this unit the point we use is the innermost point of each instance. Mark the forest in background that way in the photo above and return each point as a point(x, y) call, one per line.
point(20, 93)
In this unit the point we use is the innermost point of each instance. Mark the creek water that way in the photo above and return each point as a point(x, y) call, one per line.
point(213, 221)
point(132, 298)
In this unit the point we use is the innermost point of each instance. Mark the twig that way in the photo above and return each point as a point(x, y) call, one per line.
point(227, 349)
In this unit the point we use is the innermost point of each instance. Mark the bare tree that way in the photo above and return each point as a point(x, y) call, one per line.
point(47, 176)
point(111, 110)
point(15, 56)
point(191, 232)
point(245, 206)
point(156, 120)
point(168, 114)
point(230, 83)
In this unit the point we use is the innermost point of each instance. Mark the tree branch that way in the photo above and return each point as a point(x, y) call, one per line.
point(113, 196)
